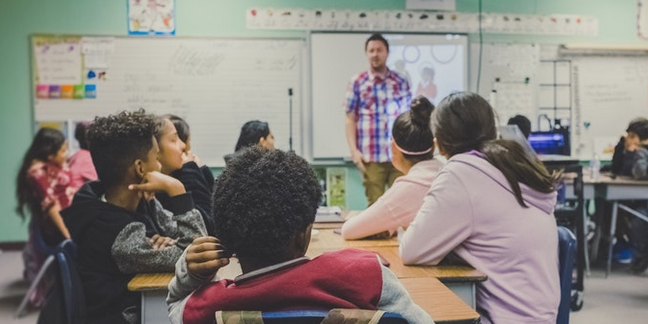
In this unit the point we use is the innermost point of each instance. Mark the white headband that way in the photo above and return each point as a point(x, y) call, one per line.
point(408, 152)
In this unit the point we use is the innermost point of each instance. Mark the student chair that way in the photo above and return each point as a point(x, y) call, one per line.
point(38, 247)
point(312, 316)
point(566, 256)
point(65, 302)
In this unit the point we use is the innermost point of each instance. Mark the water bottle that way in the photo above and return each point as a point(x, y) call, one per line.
point(595, 168)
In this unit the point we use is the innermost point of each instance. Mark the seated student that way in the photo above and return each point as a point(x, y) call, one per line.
point(178, 162)
point(253, 133)
point(523, 123)
point(412, 147)
point(265, 203)
point(626, 151)
point(80, 163)
point(631, 159)
point(184, 133)
point(492, 206)
point(110, 234)
point(44, 186)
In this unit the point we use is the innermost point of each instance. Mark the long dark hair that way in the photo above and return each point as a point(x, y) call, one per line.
point(181, 126)
point(47, 141)
point(412, 132)
point(464, 121)
point(251, 132)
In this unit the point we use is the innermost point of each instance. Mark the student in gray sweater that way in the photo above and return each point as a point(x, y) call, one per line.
point(111, 234)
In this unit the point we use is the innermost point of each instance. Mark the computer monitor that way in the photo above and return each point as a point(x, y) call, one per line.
point(550, 142)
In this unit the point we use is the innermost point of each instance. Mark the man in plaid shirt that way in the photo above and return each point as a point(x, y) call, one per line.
point(374, 99)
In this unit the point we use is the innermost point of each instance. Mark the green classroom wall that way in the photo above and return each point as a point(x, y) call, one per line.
point(21, 18)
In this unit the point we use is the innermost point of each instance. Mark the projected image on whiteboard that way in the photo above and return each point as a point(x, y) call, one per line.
point(434, 64)
point(433, 71)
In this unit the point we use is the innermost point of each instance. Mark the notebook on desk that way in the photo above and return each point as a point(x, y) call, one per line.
point(329, 215)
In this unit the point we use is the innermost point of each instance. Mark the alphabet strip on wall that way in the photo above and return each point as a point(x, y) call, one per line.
point(420, 21)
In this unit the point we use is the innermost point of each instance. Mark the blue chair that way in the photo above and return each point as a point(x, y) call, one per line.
point(65, 302)
point(566, 256)
point(317, 316)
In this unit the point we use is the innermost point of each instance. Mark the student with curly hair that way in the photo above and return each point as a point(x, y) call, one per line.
point(265, 203)
point(492, 205)
point(412, 146)
point(113, 241)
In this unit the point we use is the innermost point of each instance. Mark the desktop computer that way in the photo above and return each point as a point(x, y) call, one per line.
point(554, 142)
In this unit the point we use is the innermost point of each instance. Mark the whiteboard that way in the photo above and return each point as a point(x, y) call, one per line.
point(337, 57)
point(609, 92)
point(215, 84)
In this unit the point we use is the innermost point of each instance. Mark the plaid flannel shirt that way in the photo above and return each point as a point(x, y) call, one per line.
point(376, 101)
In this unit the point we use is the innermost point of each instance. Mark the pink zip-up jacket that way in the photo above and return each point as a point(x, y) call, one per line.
point(398, 206)
point(471, 210)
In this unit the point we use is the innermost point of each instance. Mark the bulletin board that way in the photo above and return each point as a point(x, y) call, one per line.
point(215, 84)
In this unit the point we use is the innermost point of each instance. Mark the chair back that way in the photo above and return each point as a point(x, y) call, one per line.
point(566, 256)
point(66, 301)
point(315, 317)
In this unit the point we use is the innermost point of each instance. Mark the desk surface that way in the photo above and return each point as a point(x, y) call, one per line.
point(429, 293)
point(326, 240)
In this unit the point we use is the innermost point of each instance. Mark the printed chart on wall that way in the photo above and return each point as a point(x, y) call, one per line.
point(215, 84)
point(151, 17)
point(610, 92)
point(508, 78)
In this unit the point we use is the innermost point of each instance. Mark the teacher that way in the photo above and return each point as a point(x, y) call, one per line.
point(373, 101)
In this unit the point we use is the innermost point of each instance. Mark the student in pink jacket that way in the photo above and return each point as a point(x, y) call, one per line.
point(412, 147)
point(492, 205)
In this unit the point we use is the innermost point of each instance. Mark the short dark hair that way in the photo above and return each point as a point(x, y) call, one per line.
point(80, 134)
point(523, 123)
point(262, 200)
point(181, 126)
point(116, 141)
point(376, 37)
point(251, 132)
point(639, 126)
point(412, 131)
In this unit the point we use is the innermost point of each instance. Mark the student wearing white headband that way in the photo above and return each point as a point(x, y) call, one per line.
point(412, 147)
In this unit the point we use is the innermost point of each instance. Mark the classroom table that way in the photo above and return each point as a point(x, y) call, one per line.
point(461, 279)
point(452, 287)
point(429, 293)
point(614, 190)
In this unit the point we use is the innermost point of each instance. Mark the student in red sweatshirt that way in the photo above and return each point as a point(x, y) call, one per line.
point(265, 203)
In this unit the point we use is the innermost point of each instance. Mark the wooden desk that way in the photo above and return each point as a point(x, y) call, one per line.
point(429, 293)
point(462, 280)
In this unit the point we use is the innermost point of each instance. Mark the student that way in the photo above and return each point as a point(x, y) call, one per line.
point(44, 187)
point(626, 151)
point(180, 163)
point(412, 147)
point(253, 133)
point(492, 206)
point(631, 159)
point(523, 123)
point(110, 234)
point(81, 162)
point(265, 203)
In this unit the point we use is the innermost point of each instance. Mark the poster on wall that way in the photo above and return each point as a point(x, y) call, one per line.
point(151, 17)
point(642, 18)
